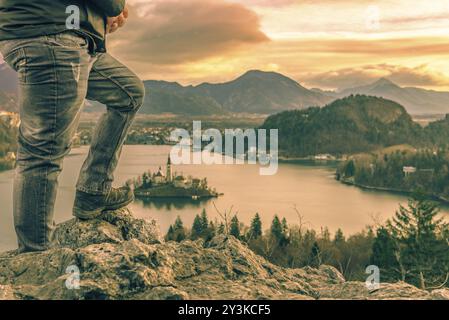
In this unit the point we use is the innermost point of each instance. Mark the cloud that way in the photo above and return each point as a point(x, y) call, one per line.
point(170, 32)
point(350, 77)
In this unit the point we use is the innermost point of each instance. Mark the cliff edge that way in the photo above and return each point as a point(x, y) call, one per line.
point(121, 257)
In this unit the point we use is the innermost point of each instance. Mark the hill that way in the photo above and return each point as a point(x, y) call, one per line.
point(168, 97)
point(416, 101)
point(346, 126)
point(254, 92)
point(120, 257)
point(262, 92)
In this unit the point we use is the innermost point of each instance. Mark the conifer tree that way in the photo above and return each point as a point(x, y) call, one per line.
point(315, 256)
point(179, 230)
point(423, 250)
point(234, 229)
point(255, 231)
point(170, 234)
point(197, 228)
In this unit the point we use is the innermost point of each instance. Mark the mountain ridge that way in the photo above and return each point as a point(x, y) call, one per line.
point(417, 101)
point(255, 91)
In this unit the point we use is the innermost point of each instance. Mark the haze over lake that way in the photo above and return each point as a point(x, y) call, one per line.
point(320, 199)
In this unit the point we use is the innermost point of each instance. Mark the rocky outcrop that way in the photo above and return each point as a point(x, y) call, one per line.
point(120, 257)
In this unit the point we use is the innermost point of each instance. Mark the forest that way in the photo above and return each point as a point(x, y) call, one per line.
point(413, 246)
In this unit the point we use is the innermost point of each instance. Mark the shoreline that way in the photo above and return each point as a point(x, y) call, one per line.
point(438, 198)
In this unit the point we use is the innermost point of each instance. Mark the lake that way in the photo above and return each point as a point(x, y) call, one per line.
point(312, 189)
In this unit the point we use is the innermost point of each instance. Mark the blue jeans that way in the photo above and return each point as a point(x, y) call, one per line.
point(56, 75)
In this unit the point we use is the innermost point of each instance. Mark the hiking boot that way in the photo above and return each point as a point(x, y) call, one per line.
point(90, 206)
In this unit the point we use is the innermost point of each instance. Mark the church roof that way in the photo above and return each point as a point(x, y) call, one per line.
point(160, 173)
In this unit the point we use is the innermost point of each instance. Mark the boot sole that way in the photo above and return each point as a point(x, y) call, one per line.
point(93, 214)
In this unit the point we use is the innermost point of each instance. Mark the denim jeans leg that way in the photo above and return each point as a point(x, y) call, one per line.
point(53, 78)
point(114, 85)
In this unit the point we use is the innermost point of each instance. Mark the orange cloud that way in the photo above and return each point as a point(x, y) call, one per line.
point(356, 76)
point(182, 31)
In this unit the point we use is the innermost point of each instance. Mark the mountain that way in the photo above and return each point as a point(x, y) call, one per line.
point(254, 92)
point(171, 97)
point(262, 92)
point(120, 257)
point(415, 100)
point(349, 125)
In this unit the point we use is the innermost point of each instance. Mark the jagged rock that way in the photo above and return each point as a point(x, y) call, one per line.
point(387, 291)
point(113, 227)
point(120, 257)
point(440, 294)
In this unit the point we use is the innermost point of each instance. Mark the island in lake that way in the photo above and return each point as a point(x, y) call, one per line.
point(171, 185)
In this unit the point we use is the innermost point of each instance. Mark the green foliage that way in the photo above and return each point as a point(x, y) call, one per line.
point(177, 100)
point(315, 256)
point(387, 171)
point(384, 255)
point(255, 230)
point(346, 126)
point(412, 247)
point(279, 231)
point(197, 228)
point(423, 253)
point(234, 228)
point(176, 232)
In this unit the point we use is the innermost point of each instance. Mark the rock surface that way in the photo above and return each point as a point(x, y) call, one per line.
point(120, 257)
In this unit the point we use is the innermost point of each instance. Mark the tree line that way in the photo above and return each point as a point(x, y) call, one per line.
point(413, 246)
point(429, 175)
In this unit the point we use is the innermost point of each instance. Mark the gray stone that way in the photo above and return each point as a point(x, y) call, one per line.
point(121, 257)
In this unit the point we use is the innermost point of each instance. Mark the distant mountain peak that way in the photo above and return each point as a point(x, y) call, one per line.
point(258, 74)
point(385, 82)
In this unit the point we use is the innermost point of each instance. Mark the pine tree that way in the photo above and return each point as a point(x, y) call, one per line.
point(207, 233)
point(234, 229)
point(197, 228)
point(276, 229)
point(204, 219)
point(170, 234)
point(384, 255)
point(179, 230)
point(423, 251)
point(255, 231)
point(279, 230)
point(315, 256)
point(339, 238)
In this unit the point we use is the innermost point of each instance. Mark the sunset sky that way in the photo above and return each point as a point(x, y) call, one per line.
point(331, 44)
point(320, 43)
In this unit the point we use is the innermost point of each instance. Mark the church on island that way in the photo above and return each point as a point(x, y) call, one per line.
point(178, 181)
point(169, 184)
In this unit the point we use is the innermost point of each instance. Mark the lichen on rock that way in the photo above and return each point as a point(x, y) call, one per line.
point(121, 257)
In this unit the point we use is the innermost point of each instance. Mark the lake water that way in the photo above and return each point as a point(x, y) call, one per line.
point(320, 199)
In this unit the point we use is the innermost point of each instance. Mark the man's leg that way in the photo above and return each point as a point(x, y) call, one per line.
point(112, 84)
point(53, 73)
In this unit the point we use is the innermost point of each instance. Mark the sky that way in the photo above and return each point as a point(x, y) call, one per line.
point(330, 44)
